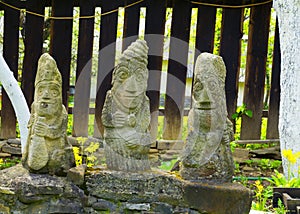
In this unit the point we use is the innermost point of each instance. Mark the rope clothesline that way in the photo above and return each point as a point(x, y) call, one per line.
point(232, 6)
point(127, 6)
point(67, 17)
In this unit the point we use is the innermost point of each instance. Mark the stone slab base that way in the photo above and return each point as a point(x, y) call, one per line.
point(157, 187)
point(107, 191)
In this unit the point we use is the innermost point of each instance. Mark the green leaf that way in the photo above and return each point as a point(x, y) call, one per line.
point(234, 116)
point(249, 113)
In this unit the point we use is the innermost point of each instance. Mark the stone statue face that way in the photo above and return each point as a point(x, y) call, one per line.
point(48, 99)
point(208, 88)
point(208, 91)
point(130, 84)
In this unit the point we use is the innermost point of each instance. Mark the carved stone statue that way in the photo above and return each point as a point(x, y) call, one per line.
point(47, 149)
point(207, 155)
point(126, 113)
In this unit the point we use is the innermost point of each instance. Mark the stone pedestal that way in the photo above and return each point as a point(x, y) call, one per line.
point(24, 192)
point(117, 192)
point(162, 192)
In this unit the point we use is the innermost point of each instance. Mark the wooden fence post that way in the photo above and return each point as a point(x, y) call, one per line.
point(83, 69)
point(177, 69)
point(106, 60)
point(255, 70)
point(205, 33)
point(154, 35)
point(33, 46)
point(273, 117)
point(230, 50)
point(61, 41)
point(131, 24)
point(11, 56)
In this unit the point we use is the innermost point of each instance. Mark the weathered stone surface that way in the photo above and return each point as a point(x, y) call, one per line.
point(117, 192)
point(126, 113)
point(24, 192)
point(137, 207)
point(4, 209)
point(267, 153)
point(101, 204)
point(11, 149)
point(207, 155)
point(2, 143)
point(241, 155)
point(225, 198)
point(164, 191)
point(14, 141)
point(76, 174)
point(47, 149)
point(4, 155)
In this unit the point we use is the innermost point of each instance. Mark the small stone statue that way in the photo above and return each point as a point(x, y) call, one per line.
point(207, 155)
point(47, 149)
point(126, 113)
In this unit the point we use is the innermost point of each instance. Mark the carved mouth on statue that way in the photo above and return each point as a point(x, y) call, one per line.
point(45, 103)
point(205, 105)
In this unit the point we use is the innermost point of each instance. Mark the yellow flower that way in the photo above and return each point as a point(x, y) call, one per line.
point(292, 158)
point(1, 161)
point(259, 186)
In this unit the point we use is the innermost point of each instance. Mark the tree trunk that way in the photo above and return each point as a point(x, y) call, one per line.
point(288, 12)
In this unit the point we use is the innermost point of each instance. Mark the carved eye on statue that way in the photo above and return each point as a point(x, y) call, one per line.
point(140, 76)
point(40, 91)
point(198, 86)
point(122, 74)
point(54, 92)
point(212, 85)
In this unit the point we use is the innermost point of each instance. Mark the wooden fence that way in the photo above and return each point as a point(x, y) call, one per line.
point(61, 41)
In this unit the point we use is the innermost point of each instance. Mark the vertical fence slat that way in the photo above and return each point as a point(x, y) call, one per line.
point(131, 24)
point(230, 50)
point(273, 117)
point(205, 32)
point(10, 54)
point(177, 69)
point(83, 70)
point(33, 35)
point(106, 60)
point(61, 41)
point(154, 35)
point(255, 70)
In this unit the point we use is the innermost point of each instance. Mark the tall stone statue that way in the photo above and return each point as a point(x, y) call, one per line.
point(47, 149)
point(207, 155)
point(126, 113)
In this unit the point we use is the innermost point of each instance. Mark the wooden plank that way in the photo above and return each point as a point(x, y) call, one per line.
point(154, 35)
point(205, 32)
point(272, 128)
point(33, 35)
point(61, 41)
point(257, 141)
point(255, 70)
point(83, 70)
point(131, 24)
point(106, 60)
point(177, 69)
point(230, 50)
point(11, 55)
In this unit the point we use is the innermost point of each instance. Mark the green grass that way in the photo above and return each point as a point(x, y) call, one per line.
point(8, 162)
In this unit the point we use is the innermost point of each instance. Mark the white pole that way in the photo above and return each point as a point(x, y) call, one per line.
point(288, 12)
point(16, 97)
